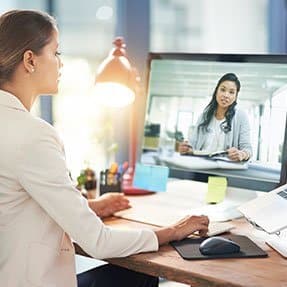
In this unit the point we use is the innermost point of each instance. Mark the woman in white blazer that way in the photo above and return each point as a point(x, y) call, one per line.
point(40, 210)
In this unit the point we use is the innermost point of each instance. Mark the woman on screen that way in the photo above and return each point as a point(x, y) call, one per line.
point(222, 126)
point(40, 209)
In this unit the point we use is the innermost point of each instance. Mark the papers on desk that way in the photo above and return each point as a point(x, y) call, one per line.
point(225, 158)
point(184, 197)
point(194, 162)
point(207, 153)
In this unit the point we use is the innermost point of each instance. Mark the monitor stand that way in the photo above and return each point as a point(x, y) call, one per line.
point(279, 244)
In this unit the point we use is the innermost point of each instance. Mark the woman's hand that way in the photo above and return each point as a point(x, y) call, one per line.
point(184, 148)
point(109, 203)
point(236, 154)
point(183, 228)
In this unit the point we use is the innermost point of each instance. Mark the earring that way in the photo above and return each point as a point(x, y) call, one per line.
point(32, 70)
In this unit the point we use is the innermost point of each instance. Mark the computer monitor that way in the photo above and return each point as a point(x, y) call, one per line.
point(179, 86)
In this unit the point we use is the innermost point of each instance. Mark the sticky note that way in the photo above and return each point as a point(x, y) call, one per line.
point(216, 189)
point(151, 177)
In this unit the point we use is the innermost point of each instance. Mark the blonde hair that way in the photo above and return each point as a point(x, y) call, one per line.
point(22, 30)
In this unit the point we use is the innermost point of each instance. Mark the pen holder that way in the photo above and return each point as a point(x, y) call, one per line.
point(110, 182)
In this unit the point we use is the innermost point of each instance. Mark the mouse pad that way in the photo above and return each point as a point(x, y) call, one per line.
point(188, 248)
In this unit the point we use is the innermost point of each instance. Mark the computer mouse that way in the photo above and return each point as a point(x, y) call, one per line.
point(218, 245)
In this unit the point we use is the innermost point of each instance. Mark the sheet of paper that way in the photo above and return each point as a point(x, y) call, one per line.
point(181, 198)
point(216, 189)
point(196, 162)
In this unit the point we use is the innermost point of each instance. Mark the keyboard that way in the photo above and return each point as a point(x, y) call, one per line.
point(156, 218)
point(216, 228)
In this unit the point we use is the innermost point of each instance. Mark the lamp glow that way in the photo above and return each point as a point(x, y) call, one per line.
point(114, 95)
point(116, 79)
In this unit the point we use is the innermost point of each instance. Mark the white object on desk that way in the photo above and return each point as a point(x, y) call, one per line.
point(160, 220)
point(216, 228)
point(279, 244)
point(194, 162)
point(268, 211)
point(184, 197)
point(191, 195)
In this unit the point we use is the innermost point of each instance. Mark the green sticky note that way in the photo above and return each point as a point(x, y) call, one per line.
point(216, 189)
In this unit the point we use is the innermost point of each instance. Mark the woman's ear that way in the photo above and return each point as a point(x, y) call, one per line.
point(29, 61)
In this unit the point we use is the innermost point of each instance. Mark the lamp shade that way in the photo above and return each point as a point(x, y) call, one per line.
point(116, 79)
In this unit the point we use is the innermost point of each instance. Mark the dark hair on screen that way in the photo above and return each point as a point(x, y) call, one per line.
point(22, 30)
point(210, 109)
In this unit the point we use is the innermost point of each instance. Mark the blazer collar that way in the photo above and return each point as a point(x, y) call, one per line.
point(9, 100)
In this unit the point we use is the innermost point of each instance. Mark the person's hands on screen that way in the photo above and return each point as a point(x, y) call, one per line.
point(109, 203)
point(235, 154)
point(184, 148)
point(183, 228)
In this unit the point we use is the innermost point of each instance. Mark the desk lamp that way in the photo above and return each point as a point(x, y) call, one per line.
point(117, 83)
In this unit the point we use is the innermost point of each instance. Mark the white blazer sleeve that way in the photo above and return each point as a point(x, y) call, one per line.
point(42, 172)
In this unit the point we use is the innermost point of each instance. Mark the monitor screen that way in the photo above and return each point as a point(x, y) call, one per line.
point(180, 87)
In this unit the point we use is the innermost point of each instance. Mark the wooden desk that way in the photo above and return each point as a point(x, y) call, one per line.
point(245, 272)
point(167, 263)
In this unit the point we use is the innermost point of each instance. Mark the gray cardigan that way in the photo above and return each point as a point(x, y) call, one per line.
point(238, 137)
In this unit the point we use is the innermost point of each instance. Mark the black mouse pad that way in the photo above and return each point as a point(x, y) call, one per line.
point(188, 248)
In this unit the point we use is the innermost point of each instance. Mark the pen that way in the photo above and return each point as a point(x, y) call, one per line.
point(123, 168)
point(102, 178)
point(114, 168)
point(111, 178)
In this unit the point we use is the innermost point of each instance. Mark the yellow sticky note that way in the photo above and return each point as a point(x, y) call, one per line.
point(216, 189)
